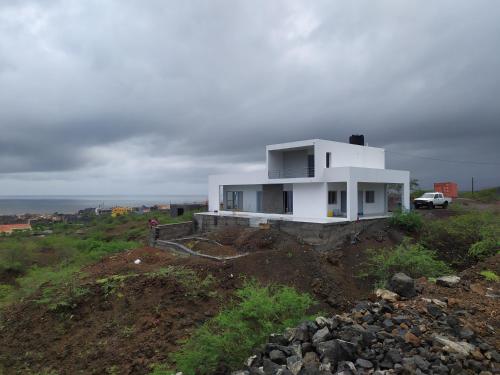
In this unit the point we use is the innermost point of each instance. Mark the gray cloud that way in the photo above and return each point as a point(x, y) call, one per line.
point(120, 94)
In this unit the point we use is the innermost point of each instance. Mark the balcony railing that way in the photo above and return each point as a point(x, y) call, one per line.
point(291, 173)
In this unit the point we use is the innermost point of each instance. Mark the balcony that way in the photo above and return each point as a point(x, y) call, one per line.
point(292, 173)
point(296, 162)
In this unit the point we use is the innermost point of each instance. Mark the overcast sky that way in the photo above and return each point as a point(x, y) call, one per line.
point(149, 97)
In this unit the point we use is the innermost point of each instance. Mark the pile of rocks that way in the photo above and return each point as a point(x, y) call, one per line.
point(380, 338)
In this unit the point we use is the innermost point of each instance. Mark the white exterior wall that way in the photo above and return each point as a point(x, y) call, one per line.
point(309, 200)
point(347, 155)
point(338, 187)
point(379, 204)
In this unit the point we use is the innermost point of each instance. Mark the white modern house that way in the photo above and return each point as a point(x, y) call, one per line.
point(313, 181)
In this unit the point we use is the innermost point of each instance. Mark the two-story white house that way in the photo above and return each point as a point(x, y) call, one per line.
point(312, 181)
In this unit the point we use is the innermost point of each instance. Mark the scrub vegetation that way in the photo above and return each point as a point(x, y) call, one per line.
point(412, 259)
point(256, 312)
point(54, 260)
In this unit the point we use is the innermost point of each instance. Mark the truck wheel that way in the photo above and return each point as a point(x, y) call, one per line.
point(415, 206)
point(445, 205)
point(430, 206)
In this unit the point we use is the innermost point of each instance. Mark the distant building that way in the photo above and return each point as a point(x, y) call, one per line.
point(9, 228)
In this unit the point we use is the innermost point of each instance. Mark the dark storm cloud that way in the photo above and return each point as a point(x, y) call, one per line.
point(204, 86)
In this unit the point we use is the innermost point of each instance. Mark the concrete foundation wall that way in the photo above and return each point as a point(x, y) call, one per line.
point(324, 236)
point(207, 223)
point(171, 231)
point(272, 199)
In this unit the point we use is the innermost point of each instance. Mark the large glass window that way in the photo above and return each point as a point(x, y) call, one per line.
point(234, 200)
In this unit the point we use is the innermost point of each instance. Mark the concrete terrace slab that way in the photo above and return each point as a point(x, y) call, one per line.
point(265, 217)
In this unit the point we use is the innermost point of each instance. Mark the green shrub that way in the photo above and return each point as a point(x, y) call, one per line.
point(484, 248)
point(490, 275)
point(230, 336)
point(409, 221)
point(454, 237)
point(411, 259)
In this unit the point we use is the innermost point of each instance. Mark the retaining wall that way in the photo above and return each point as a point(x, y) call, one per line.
point(171, 231)
point(325, 236)
point(322, 236)
point(206, 223)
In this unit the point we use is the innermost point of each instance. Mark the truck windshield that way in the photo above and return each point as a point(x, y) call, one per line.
point(428, 195)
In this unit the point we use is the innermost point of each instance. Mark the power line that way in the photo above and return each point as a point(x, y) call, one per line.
point(445, 160)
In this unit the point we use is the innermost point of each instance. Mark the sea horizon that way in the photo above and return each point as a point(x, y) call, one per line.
point(72, 203)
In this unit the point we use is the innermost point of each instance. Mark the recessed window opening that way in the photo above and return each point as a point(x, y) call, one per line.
point(370, 196)
point(328, 159)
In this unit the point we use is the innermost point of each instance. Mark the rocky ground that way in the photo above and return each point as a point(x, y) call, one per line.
point(450, 327)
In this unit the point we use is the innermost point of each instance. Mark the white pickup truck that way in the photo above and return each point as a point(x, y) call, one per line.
point(431, 200)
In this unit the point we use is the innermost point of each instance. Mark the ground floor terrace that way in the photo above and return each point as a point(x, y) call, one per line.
point(339, 194)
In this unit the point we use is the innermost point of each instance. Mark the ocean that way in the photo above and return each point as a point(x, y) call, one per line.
point(68, 204)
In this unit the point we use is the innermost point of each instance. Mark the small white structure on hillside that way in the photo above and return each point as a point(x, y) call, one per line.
point(313, 181)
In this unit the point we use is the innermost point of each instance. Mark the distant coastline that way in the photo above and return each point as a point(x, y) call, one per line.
point(69, 204)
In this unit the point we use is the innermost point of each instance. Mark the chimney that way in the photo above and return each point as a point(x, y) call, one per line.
point(357, 139)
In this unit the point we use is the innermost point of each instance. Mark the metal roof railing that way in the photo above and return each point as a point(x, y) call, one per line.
point(291, 172)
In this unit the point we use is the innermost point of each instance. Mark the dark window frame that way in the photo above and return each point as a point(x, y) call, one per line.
point(332, 197)
point(328, 159)
point(234, 200)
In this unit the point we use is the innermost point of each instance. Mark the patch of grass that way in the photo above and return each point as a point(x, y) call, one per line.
point(53, 260)
point(490, 275)
point(63, 298)
point(409, 221)
point(411, 259)
point(110, 285)
point(484, 248)
point(229, 337)
point(485, 195)
point(463, 239)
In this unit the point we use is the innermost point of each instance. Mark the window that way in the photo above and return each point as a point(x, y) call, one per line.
point(328, 159)
point(370, 196)
point(332, 197)
point(234, 200)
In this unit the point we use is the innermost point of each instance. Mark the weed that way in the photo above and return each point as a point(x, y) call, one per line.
point(111, 284)
point(412, 259)
point(259, 312)
point(60, 299)
point(409, 221)
point(490, 275)
point(128, 331)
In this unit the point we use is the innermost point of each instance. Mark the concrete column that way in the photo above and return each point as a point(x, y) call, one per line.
point(352, 199)
point(213, 194)
point(406, 196)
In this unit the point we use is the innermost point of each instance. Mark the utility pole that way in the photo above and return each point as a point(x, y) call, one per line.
point(472, 186)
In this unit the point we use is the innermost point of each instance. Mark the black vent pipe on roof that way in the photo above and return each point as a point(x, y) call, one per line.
point(357, 139)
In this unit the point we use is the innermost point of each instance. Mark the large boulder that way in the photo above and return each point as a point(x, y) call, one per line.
point(403, 285)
